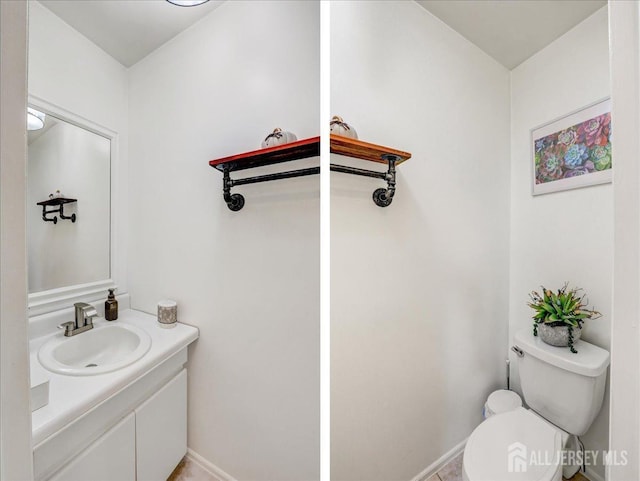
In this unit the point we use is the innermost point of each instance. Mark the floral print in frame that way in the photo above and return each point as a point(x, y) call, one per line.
point(573, 151)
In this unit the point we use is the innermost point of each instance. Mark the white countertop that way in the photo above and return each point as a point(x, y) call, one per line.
point(72, 396)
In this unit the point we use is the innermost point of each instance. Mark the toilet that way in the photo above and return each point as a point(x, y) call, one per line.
point(564, 393)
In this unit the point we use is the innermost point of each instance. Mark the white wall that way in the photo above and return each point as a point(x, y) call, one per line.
point(67, 69)
point(70, 73)
point(624, 27)
point(566, 236)
point(15, 413)
point(419, 289)
point(248, 280)
point(78, 163)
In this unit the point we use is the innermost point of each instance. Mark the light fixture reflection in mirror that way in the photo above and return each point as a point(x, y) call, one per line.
point(187, 3)
point(35, 119)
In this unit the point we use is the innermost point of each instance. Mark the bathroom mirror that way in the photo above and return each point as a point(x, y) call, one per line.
point(68, 183)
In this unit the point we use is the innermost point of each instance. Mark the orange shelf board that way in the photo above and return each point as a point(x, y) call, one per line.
point(365, 150)
point(271, 155)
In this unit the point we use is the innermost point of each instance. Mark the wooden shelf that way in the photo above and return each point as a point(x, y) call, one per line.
point(365, 150)
point(372, 153)
point(300, 149)
point(310, 148)
point(57, 201)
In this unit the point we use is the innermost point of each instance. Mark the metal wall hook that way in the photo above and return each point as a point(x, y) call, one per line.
point(384, 197)
point(235, 202)
point(381, 197)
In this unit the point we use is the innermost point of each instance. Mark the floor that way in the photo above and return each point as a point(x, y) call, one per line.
point(451, 472)
point(187, 470)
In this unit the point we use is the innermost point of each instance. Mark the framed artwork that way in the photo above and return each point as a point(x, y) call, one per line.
point(573, 151)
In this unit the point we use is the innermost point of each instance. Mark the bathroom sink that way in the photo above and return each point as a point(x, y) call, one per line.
point(105, 348)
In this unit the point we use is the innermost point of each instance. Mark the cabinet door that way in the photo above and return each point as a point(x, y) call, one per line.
point(110, 458)
point(161, 430)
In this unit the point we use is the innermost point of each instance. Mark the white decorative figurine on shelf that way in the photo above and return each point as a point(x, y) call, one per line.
point(278, 137)
point(340, 127)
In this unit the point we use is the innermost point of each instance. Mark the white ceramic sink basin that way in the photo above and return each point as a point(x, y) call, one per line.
point(105, 348)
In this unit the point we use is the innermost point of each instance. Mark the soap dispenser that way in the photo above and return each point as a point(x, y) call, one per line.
point(111, 307)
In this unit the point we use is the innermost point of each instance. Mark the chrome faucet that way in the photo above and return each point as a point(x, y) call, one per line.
point(84, 319)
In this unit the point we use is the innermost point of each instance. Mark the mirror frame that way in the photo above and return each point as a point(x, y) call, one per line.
point(63, 297)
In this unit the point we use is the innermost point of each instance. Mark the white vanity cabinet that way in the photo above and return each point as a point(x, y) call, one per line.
point(145, 446)
point(110, 458)
point(161, 430)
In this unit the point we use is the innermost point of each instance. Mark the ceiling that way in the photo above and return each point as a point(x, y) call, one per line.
point(128, 30)
point(511, 31)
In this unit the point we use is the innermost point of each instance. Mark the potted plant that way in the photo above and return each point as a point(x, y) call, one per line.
point(559, 316)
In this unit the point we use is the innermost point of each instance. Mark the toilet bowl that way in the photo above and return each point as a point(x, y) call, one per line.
point(517, 445)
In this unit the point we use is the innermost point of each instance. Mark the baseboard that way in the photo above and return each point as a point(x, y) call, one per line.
point(441, 462)
point(217, 473)
point(592, 475)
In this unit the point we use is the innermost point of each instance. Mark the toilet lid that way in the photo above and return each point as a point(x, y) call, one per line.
point(513, 446)
point(502, 401)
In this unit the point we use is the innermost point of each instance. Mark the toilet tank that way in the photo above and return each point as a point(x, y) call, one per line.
point(564, 388)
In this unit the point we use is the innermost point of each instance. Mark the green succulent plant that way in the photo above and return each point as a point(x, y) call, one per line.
point(567, 307)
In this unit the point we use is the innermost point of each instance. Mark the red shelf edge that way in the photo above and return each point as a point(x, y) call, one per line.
point(265, 152)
